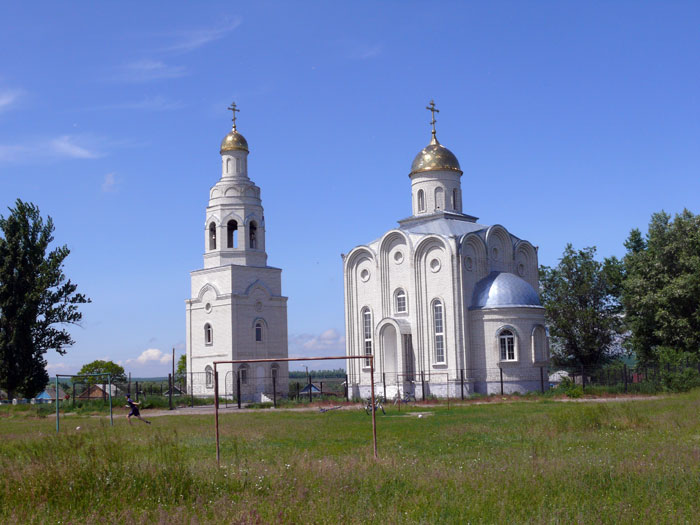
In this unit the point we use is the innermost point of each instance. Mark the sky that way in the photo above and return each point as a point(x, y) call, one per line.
point(572, 121)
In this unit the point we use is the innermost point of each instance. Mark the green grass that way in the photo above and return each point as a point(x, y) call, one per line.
point(528, 461)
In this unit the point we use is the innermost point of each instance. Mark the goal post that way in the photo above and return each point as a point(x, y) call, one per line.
point(369, 357)
point(109, 393)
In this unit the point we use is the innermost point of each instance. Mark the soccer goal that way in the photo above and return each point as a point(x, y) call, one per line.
point(369, 358)
point(83, 376)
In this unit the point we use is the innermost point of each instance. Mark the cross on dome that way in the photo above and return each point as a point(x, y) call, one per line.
point(234, 109)
point(433, 110)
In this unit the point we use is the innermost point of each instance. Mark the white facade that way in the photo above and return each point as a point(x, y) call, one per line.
point(236, 310)
point(444, 302)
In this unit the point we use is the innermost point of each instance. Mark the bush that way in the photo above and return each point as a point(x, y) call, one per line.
point(675, 372)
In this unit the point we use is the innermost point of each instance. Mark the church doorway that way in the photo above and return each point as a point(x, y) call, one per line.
point(389, 347)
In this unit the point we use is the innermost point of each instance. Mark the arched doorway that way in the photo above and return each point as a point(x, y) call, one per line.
point(389, 338)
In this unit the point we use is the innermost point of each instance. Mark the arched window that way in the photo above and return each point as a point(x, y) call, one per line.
point(258, 331)
point(228, 165)
point(455, 200)
point(367, 332)
point(421, 201)
point(212, 236)
point(506, 344)
point(400, 305)
point(238, 164)
point(253, 234)
point(208, 334)
point(439, 329)
point(209, 376)
point(243, 374)
point(439, 199)
point(232, 234)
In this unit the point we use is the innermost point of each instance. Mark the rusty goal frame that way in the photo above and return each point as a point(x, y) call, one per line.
point(370, 357)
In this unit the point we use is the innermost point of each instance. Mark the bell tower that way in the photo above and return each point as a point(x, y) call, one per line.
point(234, 232)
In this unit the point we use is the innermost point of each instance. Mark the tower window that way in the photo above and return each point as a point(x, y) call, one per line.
point(208, 334)
point(367, 332)
point(439, 199)
point(455, 200)
point(400, 301)
point(212, 236)
point(253, 235)
point(506, 343)
point(258, 331)
point(421, 201)
point(238, 164)
point(439, 328)
point(232, 234)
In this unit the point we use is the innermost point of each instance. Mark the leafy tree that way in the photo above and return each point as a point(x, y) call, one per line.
point(103, 367)
point(181, 370)
point(582, 308)
point(35, 298)
point(661, 292)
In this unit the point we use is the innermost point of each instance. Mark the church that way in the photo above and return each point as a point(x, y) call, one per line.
point(236, 308)
point(445, 304)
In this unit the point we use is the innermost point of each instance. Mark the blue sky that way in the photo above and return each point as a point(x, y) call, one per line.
point(573, 122)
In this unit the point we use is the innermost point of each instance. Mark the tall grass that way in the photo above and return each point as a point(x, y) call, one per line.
point(518, 462)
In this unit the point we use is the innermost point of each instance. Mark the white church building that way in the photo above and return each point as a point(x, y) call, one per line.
point(236, 310)
point(443, 302)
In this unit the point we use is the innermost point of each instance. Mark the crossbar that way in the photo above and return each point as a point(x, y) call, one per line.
point(288, 359)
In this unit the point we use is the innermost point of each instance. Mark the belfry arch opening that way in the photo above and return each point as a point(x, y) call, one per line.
point(232, 234)
point(212, 236)
point(253, 235)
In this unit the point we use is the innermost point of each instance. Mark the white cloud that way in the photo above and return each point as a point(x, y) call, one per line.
point(57, 368)
point(151, 356)
point(67, 146)
point(329, 343)
point(8, 97)
point(109, 184)
point(191, 39)
point(147, 70)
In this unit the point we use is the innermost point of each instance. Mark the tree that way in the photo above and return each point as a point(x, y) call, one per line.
point(582, 307)
point(35, 299)
point(661, 292)
point(103, 367)
point(181, 370)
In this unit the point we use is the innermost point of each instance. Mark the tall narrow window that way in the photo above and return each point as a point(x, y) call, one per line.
point(439, 199)
point(238, 165)
point(212, 236)
point(258, 331)
point(253, 234)
point(209, 376)
point(243, 374)
point(231, 234)
point(421, 201)
point(400, 301)
point(439, 328)
point(506, 342)
point(208, 334)
point(228, 165)
point(367, 332)
point(455, 200)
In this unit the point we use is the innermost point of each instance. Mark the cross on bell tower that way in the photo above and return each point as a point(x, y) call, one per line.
point(433, 110)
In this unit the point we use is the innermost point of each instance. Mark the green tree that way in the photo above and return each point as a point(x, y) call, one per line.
point(35, 299)
point(661, 292)
point(582, 307)
point(181, 370)
point(103, 367)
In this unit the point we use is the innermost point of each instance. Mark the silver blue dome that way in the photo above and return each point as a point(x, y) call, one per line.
point(502, 289)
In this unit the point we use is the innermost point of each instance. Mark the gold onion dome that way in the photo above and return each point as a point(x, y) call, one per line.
point(435, 157)
point(234, 141)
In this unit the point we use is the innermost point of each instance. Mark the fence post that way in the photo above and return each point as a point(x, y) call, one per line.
point(542, 379)
point(501, 371)
point(583, 378)
point(347, 389)
point(170, 397)
point(384, 384)
point(461, 382)
point(192, 389)
point(310, 392)
point(422, 381)
point(624, 368)
point(238, 387)
point(321, 388)
point(274, 391)
point(137, 390)
point(73, 394)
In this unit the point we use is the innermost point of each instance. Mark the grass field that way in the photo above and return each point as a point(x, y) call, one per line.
point(526, 461)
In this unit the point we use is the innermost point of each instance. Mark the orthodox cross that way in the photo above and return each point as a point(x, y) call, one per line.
point(233, 109)
point(433, 110)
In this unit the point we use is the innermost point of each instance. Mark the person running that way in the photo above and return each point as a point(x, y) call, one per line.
point(134, 406)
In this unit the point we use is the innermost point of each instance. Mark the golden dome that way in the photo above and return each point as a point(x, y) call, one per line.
point(435, 157)
point(234, 141)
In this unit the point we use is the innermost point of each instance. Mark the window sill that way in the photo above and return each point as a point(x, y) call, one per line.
point(401, 314)
point(440, 365)
point(509, 363)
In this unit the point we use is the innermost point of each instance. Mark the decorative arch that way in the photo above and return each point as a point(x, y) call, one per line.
point(439, 198)
point(211, 235)
point(204, 289)
point(259, 330)
point(498, 238)
point(540, 344)
point(525, 261)
point(473, 246)
point(259, 285)
point(243, 373)
point(400, 301)
point(252, 234)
